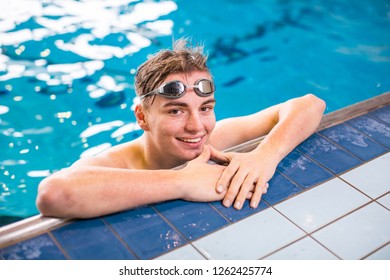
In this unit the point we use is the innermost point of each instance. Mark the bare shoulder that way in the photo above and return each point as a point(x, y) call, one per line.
point(120, 156)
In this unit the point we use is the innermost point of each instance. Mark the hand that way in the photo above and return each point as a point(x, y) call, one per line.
point(201, 178)
point(246, 176)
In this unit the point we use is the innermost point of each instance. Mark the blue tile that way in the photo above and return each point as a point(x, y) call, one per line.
point(235, 215)
point(379, 131)
point(193, 220)
point(280, 188)
point(354, 141)
point(302, 170)
point(145, 232)
point(382, 113)
point(91, 240)
point(328, 154)
point(38, 248)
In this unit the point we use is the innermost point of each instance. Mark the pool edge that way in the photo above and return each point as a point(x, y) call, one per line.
point(29, 227)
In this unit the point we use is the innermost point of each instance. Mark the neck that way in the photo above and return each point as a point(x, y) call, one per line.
point(154, 159)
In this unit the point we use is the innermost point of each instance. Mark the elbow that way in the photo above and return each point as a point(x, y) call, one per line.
point(317, 104)
point(53, 197)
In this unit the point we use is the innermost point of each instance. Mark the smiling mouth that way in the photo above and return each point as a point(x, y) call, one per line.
point(190, 140)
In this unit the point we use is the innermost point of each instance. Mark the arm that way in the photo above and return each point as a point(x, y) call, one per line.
point(287, 125)
point(88, 189)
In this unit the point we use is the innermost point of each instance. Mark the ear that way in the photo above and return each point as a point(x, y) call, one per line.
point(140, 115)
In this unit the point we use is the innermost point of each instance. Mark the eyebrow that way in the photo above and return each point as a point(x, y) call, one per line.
point(183, 104)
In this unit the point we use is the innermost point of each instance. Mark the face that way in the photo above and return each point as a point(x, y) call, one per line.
point(177, 129)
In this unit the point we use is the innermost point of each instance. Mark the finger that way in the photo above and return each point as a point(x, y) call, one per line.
point(246, 187)
point(226, 177)
point(234, 188)
point(249, 195)
point(219, 156)
point(265, 189)
point(204, 155)
point(256, 197)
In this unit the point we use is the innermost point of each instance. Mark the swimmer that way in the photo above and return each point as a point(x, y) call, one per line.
point(176, 113)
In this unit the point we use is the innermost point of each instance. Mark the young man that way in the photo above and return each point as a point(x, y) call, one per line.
point(176, 112)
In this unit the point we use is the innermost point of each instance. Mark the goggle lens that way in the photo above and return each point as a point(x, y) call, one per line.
point(205, 87)
point(176, 89)
point(172, 89)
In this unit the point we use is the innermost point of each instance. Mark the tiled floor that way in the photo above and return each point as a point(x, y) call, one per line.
point(329, 199)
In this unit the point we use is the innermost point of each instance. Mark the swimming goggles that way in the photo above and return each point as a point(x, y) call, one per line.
point(176, 89)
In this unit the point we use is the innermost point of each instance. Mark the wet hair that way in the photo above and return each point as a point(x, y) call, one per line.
point(183, 58)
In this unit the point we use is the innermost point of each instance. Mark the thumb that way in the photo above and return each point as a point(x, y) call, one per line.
point(204, 155)
point(218, 156)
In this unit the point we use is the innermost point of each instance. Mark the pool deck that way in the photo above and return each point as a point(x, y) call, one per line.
point(329, 199)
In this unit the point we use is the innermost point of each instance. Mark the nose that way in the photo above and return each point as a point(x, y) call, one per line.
point(194, 123)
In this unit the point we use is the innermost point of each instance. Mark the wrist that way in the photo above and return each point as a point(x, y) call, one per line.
point(178, 179)
point(272, 152)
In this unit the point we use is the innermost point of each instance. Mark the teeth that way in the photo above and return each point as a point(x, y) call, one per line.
point(194, 140)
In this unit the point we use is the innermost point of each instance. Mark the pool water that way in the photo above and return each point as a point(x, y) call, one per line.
point(67, 69)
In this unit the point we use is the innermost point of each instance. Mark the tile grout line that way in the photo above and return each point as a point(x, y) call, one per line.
point(323, 226)
point(220, 213)
point(179, 231)
point(58, 244)
point(376, 250)
point(165, 219)
point(338, 145)
point(350, 184)
point(338, 175)
point(381, 196)
point(229, 223)
point(335, 175)
point(120, 239)
point(320, 228)
point(270, 206)
point(368, 136)
point(346, 214)
point(296, 241)
point(307, 235)
point(344, 149)
point(190, 241)
point(361, 159)
point(291, 180)
point(283, 247)
point(301, 192)
point(343, 216)
point(377, 118)
point(323, 246)
point(323, 166)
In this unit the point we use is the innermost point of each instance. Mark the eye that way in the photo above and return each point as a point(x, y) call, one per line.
point(206, 108)
point(174, 112)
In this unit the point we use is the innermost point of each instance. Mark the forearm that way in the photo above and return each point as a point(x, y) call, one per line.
point(297, 120)
point(94, 191)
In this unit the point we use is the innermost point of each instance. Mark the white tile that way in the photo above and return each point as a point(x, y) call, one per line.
point(357, 234)
point(385, 201)
point(250, 238)
point(322, 205)
point(372, 178)
point(304, 249)
point(381, 254)
point(186, 252)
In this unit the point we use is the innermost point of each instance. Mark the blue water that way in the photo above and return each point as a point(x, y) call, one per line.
point(67, 68)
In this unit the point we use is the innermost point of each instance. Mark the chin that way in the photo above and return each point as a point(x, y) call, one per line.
point(190, 155)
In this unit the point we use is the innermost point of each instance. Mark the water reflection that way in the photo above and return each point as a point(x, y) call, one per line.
point(57, 86)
